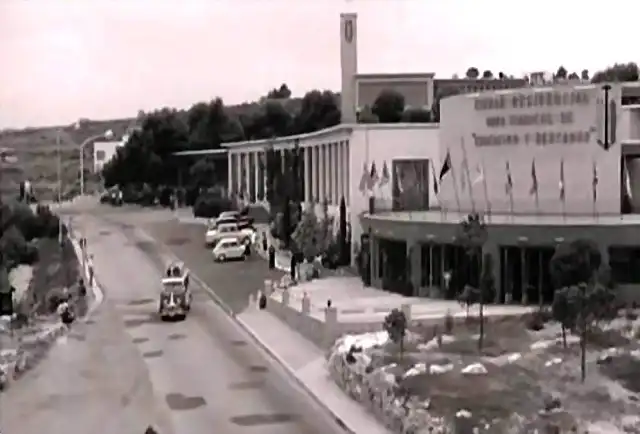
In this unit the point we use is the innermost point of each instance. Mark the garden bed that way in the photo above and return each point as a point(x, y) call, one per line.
point(520, 381)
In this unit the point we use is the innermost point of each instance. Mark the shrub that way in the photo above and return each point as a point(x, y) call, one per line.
point(210, 206)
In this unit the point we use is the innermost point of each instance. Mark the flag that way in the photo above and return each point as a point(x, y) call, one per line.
point(364, 179)
point(479, 175)
point(508, 187)
point(465, 175)
point(436, 184)
point(384, 178)
point(627, 179)
point(446, 167)
point(534, 178)
point(373, 176)
point(594, 182)
point(561, 184)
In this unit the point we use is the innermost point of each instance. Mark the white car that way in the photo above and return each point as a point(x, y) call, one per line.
point(228, 248)
point(224, 230)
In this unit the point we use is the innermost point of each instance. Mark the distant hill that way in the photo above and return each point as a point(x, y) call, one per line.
point(36, 149)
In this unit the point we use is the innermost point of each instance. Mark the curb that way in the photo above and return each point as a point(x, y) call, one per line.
point(288, 370)
point(25, 361)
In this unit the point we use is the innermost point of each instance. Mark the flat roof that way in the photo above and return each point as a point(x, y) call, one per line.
point(201, 152)
point(453, 217)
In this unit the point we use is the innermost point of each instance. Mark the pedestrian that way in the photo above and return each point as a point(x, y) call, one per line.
point(265, 244)
point(293, 266)
point(272, 257)
point(90, 267)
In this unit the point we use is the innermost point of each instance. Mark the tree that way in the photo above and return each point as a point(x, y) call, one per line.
point(203, 173)
point(325, 237)
point(487, 74)
point(342, 231)
point(416, 116)
point(305, 235)
point(619, 72)
point(472, 235)
point(574, 76)
point(472, 73)
point(366, 116)
point(583, 301)
point(389, 106)
point(319, 110)
point(561, 73)
point(282, 92)
point(501, 76)
point(562, 311)
point(575, 263)
point(584, 75)
point(395, 324)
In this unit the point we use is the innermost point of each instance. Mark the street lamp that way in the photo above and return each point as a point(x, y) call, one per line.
point(108, 135)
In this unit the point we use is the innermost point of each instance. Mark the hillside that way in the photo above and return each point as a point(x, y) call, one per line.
point(37, 151)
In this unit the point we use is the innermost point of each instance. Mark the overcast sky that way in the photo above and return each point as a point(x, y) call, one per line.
point(65, 59)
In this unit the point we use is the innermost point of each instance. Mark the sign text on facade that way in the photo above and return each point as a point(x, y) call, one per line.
point(536, 118)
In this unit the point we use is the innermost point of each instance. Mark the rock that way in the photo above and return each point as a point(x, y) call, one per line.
point(552, 404)
point(475, 369)
point(514, 357)
point(541, 345)
point(433, 344)
point(553, 362)
point(440, 369)
point(417, 369)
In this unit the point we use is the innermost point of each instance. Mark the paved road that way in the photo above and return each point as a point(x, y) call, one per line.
point(233, 282)
point(204, 371)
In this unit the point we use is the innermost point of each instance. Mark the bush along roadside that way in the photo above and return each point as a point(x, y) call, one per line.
point(58, 267)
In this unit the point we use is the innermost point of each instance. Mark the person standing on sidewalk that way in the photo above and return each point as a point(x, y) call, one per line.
point(91, 271)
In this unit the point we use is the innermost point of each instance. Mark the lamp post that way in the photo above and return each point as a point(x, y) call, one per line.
point(106, 135)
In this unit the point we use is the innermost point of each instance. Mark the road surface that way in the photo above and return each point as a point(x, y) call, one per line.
point(205, 374)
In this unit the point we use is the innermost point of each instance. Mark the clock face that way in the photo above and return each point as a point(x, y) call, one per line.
point(348, 31)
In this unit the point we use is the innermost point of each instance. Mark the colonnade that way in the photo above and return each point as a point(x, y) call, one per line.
point(325, 172)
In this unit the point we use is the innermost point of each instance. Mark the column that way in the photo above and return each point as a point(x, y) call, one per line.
point(414, 253)
point(230, 170)
point(336, 173)
point(322, 180)
point(307, 175)
point(316, 170)
point(247, 178)
point(256, 176)
point(330, 170)
point(347, 171)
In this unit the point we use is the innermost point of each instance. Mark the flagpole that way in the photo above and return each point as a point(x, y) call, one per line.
point(486, 191)
point(594, 183)
point(563, 192)
point(534, 175)
point(436, 189)
point(455, 188)
point(510, 189)
point(465, 164)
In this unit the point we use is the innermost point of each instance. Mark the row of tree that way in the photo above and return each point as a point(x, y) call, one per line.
point(147, 156)
point(617, 72)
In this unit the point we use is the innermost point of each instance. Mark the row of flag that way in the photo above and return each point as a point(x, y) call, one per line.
point(447, 168)
point(370, 178)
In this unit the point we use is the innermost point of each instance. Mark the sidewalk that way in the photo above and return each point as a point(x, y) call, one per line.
point(306, 363)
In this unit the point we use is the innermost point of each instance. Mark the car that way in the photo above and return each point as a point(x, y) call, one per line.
point(228, 217)
point(175, 298)
point(229, 248)
point(217, 232)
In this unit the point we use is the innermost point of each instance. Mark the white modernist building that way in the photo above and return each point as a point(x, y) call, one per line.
point(337, 159)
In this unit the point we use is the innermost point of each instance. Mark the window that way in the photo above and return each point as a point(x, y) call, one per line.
point(625, 264)
point(100, 155)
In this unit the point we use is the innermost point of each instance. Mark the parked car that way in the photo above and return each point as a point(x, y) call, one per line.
point(229, 248)
point(215, 233)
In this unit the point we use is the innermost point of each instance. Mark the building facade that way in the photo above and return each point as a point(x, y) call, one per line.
point(543, 165)
point(103, 152)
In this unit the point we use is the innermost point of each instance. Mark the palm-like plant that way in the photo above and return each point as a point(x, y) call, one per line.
point(472, 235)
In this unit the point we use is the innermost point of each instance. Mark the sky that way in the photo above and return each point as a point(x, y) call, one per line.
point(62, 60)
